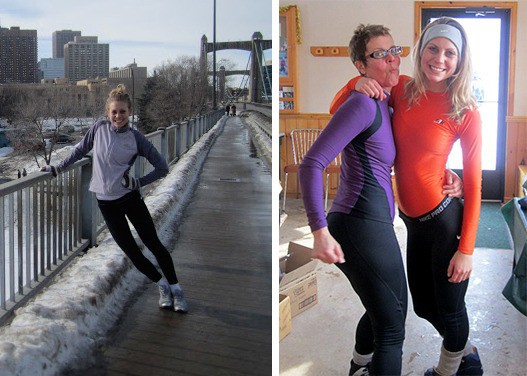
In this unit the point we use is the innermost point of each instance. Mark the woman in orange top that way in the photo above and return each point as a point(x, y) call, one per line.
point(431, 111)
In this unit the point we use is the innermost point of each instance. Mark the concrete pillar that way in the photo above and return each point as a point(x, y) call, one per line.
point(255, 94)
point(221, 83)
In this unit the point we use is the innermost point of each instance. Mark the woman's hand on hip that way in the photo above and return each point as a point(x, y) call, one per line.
point(459, 268)
point(326, 248)
point(452, 185)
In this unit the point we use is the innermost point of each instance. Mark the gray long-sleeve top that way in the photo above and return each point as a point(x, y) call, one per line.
point(114, 152)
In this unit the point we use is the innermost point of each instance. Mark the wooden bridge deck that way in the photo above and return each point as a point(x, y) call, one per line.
point(223, 261)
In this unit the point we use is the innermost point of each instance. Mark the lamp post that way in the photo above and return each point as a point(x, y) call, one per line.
point(214, 58)
point(133, 95)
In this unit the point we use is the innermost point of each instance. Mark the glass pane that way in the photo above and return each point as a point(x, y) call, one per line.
point(484, 39)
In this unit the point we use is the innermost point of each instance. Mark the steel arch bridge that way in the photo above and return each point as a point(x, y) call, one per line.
point(260, 78)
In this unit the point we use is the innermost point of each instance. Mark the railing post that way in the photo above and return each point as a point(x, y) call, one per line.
point(138, 167)
point(194, 130)
point(164, 142)
point(187, 134)
point(178, 140)
point(88, 207)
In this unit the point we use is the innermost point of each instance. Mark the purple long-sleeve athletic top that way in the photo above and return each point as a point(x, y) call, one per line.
point(361, 129)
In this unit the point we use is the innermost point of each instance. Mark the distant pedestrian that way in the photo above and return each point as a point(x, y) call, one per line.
point(19, 174)
point(233, 110)
point(24, 172)
point(115, 148)
point(227, 110)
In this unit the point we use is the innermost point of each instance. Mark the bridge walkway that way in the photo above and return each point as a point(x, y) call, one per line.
point(223, 260)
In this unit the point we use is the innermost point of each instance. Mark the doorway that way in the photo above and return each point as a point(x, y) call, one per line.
point(488, 31)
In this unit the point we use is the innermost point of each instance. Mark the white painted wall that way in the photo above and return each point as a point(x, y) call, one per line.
point(332, 22)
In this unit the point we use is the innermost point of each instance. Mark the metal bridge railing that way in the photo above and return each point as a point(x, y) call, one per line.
point(47, 221)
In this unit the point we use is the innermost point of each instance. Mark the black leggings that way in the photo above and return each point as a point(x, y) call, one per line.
point(431, 245)
point(132, 206)
point(375, 269)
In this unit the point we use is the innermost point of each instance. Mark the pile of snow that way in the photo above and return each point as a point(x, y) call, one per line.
point(70, 318)
point(261, 140)
point(5, 151)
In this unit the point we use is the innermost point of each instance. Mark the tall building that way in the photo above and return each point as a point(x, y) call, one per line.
point(132, 76)
point(18, 55)
point(59, 39)
point(130, 71)
point(51, 68)
point(85, 58)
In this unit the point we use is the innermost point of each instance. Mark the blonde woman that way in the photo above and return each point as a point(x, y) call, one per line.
point(115, 148)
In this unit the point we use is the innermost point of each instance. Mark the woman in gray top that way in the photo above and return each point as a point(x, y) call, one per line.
point(115, 148)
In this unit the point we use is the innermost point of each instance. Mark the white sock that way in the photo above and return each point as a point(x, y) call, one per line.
point(449, 362)
point(176, 287)
point(163, 282)
point(360, 359)
point(469, 349)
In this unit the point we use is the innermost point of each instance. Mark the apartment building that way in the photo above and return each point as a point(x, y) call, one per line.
point(61, 38)
point(18, 55)
point(86, 58)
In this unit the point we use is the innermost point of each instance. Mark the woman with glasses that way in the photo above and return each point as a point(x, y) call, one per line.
point(431, 111)
point(358, 233)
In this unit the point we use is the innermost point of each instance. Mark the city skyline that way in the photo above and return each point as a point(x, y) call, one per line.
point(169, 29)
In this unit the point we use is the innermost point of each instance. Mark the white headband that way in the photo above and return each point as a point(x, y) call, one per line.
point(443, 31)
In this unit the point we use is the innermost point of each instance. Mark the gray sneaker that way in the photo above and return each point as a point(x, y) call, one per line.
point(180, 304)
point(165, 297)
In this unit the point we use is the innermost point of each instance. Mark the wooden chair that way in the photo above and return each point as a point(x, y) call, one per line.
point(301, 141)
point(332, 169)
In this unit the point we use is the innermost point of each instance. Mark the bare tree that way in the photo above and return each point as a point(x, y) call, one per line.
point(90, 109)
point(178, 90)
point(40, 118)
point(9, 97)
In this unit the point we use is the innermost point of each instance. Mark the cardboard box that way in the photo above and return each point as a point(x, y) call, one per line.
point(285, 316)
point(299, 278)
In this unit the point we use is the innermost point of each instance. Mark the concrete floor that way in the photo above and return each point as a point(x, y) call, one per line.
point(322, 338)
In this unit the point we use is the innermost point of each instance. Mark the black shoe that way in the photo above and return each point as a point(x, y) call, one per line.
point(431, 372)
point(470, 365)
point(356, 370)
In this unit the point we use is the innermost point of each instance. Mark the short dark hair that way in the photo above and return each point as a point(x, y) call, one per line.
point(361, 37)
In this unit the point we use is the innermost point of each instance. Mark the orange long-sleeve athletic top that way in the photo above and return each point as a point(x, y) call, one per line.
point(424, 136)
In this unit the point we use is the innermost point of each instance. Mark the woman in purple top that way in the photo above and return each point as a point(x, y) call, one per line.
point(359, 226)
point(115, 147)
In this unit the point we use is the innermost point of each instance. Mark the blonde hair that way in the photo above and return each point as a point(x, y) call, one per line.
point(459, 86)
point(119, 94)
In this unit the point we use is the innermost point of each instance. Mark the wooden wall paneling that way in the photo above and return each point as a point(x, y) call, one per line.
point(516, 153)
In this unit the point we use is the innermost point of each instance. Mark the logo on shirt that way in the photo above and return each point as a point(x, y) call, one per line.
point(439, 121)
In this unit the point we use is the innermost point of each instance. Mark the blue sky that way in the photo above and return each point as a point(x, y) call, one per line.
point(151, 32)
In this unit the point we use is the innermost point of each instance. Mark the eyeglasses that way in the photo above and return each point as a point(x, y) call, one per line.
point(381, 54)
